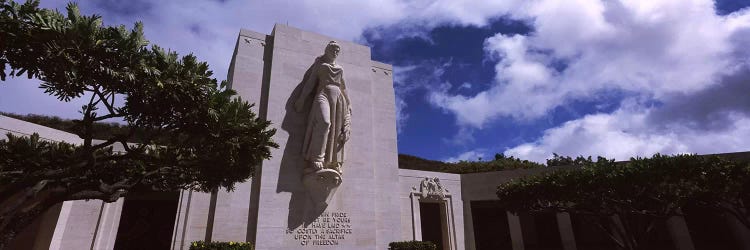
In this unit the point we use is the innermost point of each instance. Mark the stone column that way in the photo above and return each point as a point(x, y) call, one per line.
point(528, 229)
point(238, 210)
point(516, 233)
point(565, 226)
point(416, 218)
point(76, 225)
point(109, 222)
point(469, 226)
point(452, 224)
point(740, 232)
point(231, 213)
point(445, 226)
point(60, 226)
point(192, 220)
point(679, 233)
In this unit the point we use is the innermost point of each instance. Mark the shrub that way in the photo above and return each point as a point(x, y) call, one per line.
point(412, 245)
point(499, 163)
point(641, 192)
point(202, 245)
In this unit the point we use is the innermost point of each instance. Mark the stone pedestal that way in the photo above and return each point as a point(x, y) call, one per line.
point(321, 186)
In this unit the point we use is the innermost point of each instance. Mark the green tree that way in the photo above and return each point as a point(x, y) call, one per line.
point(626, 200)
point(558, 160)
point(499, 163)
point(193, 132)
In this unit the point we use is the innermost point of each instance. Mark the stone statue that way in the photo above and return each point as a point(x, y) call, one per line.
point(431, 189)
point(329, 119)
point(328, 125)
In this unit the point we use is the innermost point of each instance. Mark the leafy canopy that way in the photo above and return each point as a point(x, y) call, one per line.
point(191, 130)
point(173, 101)
point(627, 199)
point(659, 185)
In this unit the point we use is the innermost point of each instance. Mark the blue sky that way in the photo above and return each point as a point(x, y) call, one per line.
point(525, 78)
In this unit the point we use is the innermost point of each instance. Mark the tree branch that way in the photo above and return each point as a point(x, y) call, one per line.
point(105, 117)
point(14, 187)
point(741, 217)
point(610, 233)
point(109, 142)
point(105, 100)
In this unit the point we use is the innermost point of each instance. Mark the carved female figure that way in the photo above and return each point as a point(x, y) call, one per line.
point(329, 121)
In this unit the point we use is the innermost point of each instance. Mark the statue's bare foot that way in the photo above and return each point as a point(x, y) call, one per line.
point(313, 167)
point(316, 165)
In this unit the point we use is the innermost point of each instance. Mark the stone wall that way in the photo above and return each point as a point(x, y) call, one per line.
point(411, 192)
point(269, 70)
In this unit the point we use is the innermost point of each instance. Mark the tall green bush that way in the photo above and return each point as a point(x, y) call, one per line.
point(628, 198)
point(499, 163)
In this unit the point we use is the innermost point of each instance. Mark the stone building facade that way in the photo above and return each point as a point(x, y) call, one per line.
point(464, 214)
point(375, 202)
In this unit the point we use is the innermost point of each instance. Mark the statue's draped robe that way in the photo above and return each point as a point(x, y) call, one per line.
point(329, 114)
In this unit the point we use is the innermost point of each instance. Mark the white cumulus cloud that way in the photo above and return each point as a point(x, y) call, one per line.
point(636, 46)
point(682, 67)
point(209, 29)
point(627, 133)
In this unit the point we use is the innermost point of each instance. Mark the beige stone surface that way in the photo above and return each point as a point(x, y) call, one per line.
point(565, 227)
point(282, 201)
point(409, 184)
point(77, 225)
point(482, 186)
point(192, 220)
point(386, 155)
point(231, 213)
point(109, 221)
point(228, 215)
point(19, 127)
point(250, 60)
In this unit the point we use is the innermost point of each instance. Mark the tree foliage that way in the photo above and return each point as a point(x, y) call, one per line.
point(558, 160)
point(499, 163)
point(628, 198)
point(100, 130)
point(192, 131)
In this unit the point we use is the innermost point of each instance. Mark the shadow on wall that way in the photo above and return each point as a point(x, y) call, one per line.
point(302, 211)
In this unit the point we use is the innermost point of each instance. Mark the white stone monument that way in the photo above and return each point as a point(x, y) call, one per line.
point(326, 100)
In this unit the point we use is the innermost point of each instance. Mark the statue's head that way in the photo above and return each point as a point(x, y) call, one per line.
point(332, 50)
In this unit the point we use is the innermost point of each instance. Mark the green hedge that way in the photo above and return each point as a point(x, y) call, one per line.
point(412, 245)
point(201, 245)
point(499, 163)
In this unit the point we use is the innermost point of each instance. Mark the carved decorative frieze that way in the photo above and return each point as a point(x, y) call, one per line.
point(432, 189)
